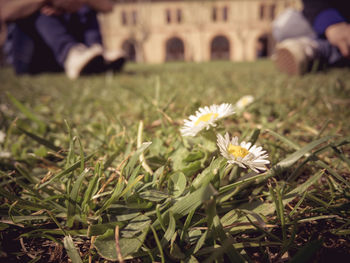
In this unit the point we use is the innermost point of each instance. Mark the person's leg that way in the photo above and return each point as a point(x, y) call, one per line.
point(86, 20)
point(53, 31)
point(64, 35)
point(299, 50)
point(26, 51)
point(291, 24)
point(90, 26)
point(20, 50)
point(297, 56)
point(331, 54)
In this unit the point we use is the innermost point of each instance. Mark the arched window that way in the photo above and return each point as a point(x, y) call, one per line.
point(178, 16)
point(134, 17)
point(168, 16)
point(175, 49)
point(129, 48)
point(225, 13)
point(220, 48)
point(262, 12)
point(124, 18)
point(214, 15)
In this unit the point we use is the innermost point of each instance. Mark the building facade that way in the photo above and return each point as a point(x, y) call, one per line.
point(194, 30)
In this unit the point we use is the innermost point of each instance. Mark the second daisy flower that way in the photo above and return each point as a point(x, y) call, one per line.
point(243, 154)
point(206, 118)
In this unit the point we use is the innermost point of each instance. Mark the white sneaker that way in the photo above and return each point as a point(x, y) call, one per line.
point(81, 58)
point(295, 56)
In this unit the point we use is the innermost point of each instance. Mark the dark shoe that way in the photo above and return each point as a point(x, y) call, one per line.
point(83, 60)
point(114, 60)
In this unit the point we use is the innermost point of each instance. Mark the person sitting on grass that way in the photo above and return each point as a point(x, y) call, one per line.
point(56, 35)
point(317, 38)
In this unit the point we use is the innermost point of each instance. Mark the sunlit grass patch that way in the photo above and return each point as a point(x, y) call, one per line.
point(99, 166)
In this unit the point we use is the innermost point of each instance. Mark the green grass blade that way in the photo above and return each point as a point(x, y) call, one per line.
point(254, 136)
point(73, 196)
point(71, 154)
point(295, 208)
point(189, 202)
point(160, 218)
point(333, 173)
point(27, 112)
point(67, 171)
point(284, 139)
point(186, 224)
point(341, 156)
point(159, 246)
point(229, 187)
point(128, 169)
point(131, 185)
point(92, 186)
point(82, 156)
point(170, 231)
point(110, 160)
point(71, 250)
point(200, 242)
point(291, 159)
point(301, 189)
point(40, 140)
point(227, 243)
point(115, 195)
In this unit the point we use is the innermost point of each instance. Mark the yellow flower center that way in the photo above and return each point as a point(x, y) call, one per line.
point(237, 151)
point(206, 117)
point(245, 101)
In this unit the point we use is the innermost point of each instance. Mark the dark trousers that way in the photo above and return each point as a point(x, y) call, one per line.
point(330, 55)
point(41, 43)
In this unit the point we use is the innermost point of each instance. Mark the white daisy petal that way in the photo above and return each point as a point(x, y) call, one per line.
point(205, 118)
point(234, 140)
point(246, 145)
point(244, 102)
point(242, 154)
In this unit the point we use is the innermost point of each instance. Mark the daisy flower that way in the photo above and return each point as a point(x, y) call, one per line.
point(243, 154)
point(244, 102)
point(205, 118)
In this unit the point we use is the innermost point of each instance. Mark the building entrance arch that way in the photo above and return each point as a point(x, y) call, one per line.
point(129, 48)
point(262, 46)
point(174, 49)
point(220, 48)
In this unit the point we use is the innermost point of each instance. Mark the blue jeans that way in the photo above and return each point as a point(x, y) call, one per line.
point(330, 55)
point(41, 43)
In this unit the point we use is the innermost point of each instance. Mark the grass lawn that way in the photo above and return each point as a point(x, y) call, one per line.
point(81, 182)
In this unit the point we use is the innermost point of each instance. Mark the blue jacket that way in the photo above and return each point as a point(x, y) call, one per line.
point(323, 13)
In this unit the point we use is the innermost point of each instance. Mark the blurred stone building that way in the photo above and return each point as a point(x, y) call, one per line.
point(155, 31)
